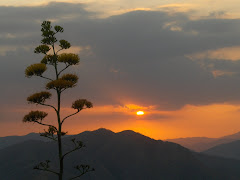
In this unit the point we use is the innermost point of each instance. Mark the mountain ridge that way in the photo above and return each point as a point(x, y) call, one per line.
point(200, 144)
point(125, 155)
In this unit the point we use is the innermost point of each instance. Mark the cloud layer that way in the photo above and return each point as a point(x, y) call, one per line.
point(149, 58)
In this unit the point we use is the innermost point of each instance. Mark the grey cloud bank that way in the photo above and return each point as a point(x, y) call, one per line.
point(137, 57)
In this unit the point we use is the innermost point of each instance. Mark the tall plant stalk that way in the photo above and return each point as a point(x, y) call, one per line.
point(61, 82)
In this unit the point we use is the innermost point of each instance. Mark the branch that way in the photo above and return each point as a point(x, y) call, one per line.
point(70, 116)
point(83, 169)
point(59, 50)
point(48, 106)
point(78, 145)
point(46, 78)
point(50, 133)
point(48, 170)
point(69, 152)
point(65, 89)
point(77, 176)
point(45, 124)
point(63, 69)
point(44, 166)
point(54, 139)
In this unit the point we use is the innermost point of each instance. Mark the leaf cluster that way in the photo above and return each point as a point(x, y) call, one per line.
point(50, 133)
point(70, 77)
point(34, 116)
point(64, 44)
point(48, 34)
point(49, 38)
point(49, 59)
point(69, 58)
point(84, 168)
point(39, 98)
point(65, 82)
point(35, 70)
point(78, 144)
point(81, 104)
point(42, 49)
point(59, 84)
point(58, 29)
point(42, 165)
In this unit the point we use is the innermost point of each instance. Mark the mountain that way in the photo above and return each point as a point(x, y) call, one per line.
point(228, 150)
point(11, 140)
point(200, 144)
point(116, 156)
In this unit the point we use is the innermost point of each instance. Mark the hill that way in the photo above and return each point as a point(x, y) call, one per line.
point(228, 150)
point(11, 140)
point(200, 144)
point(116, 156)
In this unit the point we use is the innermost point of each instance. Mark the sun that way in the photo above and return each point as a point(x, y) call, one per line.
point(140, 113)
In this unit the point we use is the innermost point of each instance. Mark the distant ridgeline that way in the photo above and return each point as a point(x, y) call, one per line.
point(200, 144)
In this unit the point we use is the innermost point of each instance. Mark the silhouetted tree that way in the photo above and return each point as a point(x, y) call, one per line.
point(59, 84)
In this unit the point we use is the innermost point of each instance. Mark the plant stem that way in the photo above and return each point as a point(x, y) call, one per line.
point(59, 133)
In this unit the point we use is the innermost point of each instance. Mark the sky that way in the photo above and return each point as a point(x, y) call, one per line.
point(178, 61)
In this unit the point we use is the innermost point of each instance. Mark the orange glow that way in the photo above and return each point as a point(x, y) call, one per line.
point(189, 121)
point(140, 113)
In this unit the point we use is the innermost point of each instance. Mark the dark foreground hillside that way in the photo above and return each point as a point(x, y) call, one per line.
point(117, 156)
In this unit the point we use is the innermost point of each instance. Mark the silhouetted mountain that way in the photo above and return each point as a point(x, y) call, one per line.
point(228, 150)
point(200, 144)
point(116, 156)
point(11, 140)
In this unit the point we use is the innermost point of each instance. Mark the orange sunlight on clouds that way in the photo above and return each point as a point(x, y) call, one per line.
point(210, 120)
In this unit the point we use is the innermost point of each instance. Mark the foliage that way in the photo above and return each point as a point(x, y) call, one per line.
point(70, 77)
point(64, 44)
point(35, 70)
point(49, 59)
point(81, 104)
point(42, 49)
point(69, 58)
point(59, 84)
point(34, 116)
point(39, 98)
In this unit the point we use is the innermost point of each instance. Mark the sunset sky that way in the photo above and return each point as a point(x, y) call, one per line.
point(178, 61)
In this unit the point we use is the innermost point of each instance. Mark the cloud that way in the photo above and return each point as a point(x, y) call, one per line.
point(172, 26)
point(176, 8)
point(5, 49)
point(226, 53)
point(217, 73)
point(134, 58)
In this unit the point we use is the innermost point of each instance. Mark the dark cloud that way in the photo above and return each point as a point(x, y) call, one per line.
point(137, 57)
